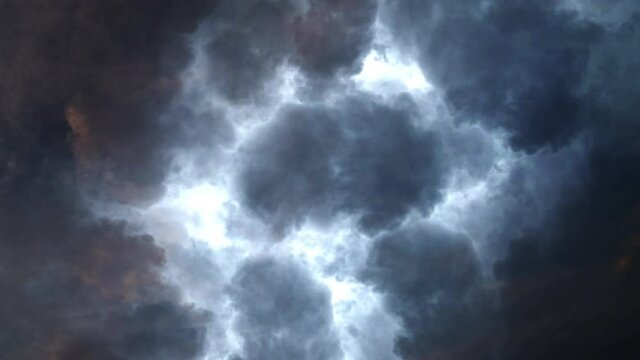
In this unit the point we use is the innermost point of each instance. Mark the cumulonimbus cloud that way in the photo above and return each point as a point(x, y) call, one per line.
point(319, 179)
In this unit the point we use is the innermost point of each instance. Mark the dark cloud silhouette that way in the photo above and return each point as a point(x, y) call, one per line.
point(150, 331)
point(581, 265)
point(431, 279)
point(553, 75)
point(93, 111)
point(246, 41)
point(284, 312)
point(332, 35)
point(82, 87)
point(112, 68)
point(519, 65)
point(70, 281)
point(358, 156)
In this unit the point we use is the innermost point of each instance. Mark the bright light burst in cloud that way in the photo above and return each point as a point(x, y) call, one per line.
point(384, 70)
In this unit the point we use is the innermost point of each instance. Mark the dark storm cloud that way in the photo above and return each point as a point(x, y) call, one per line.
point(75, 287)
point(149, 331)
point(246, 41)
point(333, 34)
point(283, 312)
point(91, 106)
point(289, 165)
point(113, 67)
point(432, 280)
point(518, 64)
point(557, 77)
point(584, 262)
point(358, 157)
point(82, 84)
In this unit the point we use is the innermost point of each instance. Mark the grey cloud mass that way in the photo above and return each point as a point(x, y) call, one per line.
point(553, 77)
point(272, 179)
point(524, 65)
point(432, 280)
point(245, 42)
point(283, 312)
point(322, 160)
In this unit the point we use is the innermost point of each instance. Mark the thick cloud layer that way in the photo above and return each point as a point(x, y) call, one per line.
point(284, 313)
point(551, 75)
point(246, 41)
point(433, 279)
point(83, 85)
point(488, 210)
point(534, 68)
point(320, 159)
point(77, 287)
point(112, 69)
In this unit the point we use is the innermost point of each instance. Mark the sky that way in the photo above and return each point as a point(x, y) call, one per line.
point(319, 179)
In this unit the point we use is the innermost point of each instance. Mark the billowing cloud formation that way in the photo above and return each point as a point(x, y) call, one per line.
point(323, 179)
point(115, 68)
point(284, 313)
point(534, 68)
point(331, 159)
point(83, 84)
point(78, 287)
point(560, 76)
point(247, 40)
point(432, 278)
